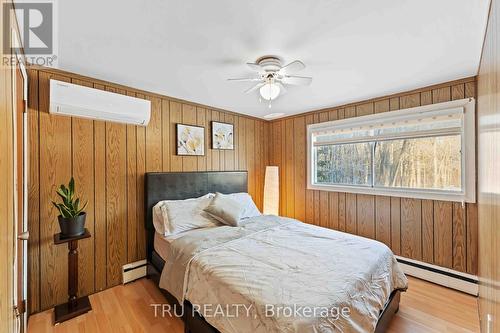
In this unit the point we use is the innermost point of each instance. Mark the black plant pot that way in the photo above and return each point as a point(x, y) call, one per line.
point(74, 226)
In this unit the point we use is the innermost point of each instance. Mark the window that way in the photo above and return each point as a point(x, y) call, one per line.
point(426, 152)
point(348, 164)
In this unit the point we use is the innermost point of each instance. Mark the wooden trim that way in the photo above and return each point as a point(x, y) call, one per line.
point(486, 213)
point(7, 176)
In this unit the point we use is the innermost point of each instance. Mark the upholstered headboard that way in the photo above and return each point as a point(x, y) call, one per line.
point(183, 185)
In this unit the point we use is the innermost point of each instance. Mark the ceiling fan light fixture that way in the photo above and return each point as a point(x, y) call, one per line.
point(272, 78)
point(270, 91)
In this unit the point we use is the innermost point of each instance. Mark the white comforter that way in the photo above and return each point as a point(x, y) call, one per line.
point(276, 274)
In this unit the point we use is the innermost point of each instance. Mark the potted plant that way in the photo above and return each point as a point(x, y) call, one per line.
point(72, 216)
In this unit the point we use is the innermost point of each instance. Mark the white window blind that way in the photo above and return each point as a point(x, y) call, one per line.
point(395, 126)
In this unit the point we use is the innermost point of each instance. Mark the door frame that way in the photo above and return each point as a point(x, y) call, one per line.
point(21, 318)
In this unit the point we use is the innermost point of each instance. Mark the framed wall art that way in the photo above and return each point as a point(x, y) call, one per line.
point(190, 140)
point(222, 135)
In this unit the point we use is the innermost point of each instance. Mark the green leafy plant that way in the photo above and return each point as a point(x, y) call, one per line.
point(70, 207)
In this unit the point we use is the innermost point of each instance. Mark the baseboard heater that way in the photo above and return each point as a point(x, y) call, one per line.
point(134, 271)
point(446, 277)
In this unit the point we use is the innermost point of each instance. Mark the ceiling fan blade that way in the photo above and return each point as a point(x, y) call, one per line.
point(246, 79)
point(257, 86)
point(297, 80)
point(292, 67)
point(256, 67)
point(283, 90)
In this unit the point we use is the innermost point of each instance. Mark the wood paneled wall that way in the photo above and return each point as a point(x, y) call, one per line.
point(436, 232)
point(489, 174)
point(108, 161)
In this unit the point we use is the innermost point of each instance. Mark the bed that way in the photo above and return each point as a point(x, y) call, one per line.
point(260, 265)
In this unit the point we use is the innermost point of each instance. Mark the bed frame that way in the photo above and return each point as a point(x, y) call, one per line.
point(182, 185)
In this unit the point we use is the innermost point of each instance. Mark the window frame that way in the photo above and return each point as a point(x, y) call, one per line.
point(468, 148)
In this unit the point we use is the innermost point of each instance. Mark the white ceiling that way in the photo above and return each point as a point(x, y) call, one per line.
point(353, 49)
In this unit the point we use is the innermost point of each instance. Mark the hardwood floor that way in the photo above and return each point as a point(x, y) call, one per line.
point(426, 307)
point(119, 309)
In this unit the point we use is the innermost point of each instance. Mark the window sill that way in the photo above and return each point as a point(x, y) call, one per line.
point(403, 193)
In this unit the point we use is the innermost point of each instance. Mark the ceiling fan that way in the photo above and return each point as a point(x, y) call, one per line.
point(272, 77)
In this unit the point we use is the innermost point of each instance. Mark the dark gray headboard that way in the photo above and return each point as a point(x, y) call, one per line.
point(183, 185)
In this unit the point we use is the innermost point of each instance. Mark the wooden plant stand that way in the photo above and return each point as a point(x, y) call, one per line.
point(75, 306)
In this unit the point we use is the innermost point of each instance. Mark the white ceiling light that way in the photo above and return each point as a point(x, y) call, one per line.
point(270, 91)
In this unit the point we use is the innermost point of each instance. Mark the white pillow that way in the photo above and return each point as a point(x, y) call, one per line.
point(171, 217)
point(225, 209)
point(250, 209)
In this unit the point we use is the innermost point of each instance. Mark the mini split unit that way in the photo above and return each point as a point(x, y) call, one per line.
point(79, 101)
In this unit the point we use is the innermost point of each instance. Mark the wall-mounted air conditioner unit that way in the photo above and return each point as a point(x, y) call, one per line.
point(79, 101)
